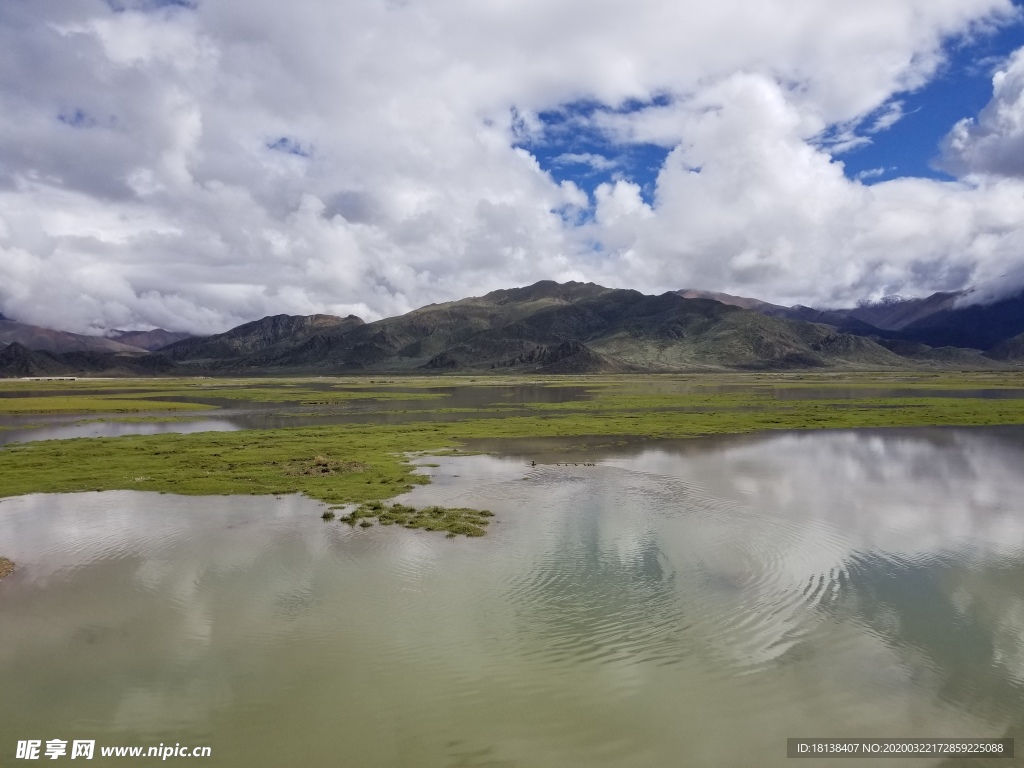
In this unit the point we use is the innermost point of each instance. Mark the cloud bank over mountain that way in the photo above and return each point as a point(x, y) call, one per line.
point(196, 165)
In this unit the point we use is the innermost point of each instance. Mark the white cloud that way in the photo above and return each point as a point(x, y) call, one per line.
point(595, 162)
point(889, 116)
point(992, 143)
point(870, 173)
point(844, 141)
point(156, 200)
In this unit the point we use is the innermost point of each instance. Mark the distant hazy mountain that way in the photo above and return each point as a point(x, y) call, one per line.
point(981, 326)
point(894, 313)
point(743, 302)
point(44, 339)
point(939, 320)
point(149, 340)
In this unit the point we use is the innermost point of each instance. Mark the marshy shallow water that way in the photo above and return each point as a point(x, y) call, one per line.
point(688, 603)
point(466, 401)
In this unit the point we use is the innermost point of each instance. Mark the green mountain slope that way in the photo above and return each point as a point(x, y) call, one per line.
point(578, 327)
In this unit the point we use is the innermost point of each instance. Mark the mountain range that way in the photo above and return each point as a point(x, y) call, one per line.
point(573, 327)
point(46, 339)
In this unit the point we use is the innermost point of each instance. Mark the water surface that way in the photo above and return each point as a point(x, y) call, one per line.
point(687, 603)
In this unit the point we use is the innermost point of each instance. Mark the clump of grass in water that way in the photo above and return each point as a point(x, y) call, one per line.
point(455, 521)
point(359, 513)
point(6, 567)
point(328, 516)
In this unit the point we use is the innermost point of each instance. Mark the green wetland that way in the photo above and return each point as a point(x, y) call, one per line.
point(604, 571)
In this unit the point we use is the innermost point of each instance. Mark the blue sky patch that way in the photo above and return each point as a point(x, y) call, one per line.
point(910, 146)
point(77, 118)
point(120, 6)
point(288, 145)
point(570, 147)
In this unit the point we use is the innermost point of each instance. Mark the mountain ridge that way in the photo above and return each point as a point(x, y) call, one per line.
point(549, 327)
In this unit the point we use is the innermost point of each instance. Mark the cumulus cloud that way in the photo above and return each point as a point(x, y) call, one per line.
point(748, 201)
point(993, 142)
point(196, 165)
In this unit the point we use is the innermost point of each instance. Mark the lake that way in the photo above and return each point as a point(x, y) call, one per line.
point(635, 603)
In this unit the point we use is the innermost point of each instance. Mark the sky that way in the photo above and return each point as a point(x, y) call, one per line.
point(196, 164)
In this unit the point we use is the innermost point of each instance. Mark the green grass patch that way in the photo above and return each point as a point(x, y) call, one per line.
point(6, 567)
point(295, 394)
point(89, 404)
point(331, 391)
point(336, 465)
